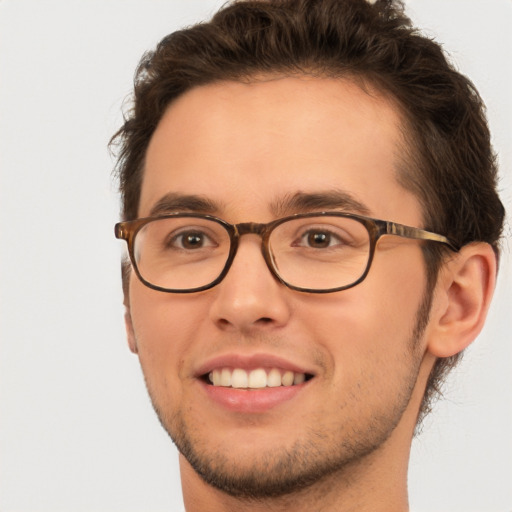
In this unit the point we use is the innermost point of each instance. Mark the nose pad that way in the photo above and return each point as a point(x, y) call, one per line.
point(250, 296)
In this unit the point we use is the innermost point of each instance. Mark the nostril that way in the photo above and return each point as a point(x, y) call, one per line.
point(223, 322)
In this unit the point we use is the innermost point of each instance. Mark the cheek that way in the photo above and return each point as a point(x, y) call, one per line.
point(367, 330)
point(366, 316)
point(165, 325)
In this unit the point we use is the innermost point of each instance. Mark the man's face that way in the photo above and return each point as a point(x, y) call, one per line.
point(248, 149)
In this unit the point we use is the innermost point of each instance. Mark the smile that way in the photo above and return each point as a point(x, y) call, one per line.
point(253, 383)
point(257, 378)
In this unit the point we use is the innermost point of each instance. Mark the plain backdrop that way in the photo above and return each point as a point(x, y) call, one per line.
point(77, 432)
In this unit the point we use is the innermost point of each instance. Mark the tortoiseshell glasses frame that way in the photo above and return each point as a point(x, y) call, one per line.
point(375, 229)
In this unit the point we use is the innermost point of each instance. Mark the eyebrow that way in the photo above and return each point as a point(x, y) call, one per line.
point(174, 202)
point(318, 201)
point(300, 202)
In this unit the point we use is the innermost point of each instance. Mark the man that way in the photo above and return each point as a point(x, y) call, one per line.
point(310, 209)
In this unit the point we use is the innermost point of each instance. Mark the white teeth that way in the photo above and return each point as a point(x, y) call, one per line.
point(287, 378)
point(215, 377)
point(274, 378)
point(255, 379)
point(258, 378)
point(225, 377)
point(239, 378)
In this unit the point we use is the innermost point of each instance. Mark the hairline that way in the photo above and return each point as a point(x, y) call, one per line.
point(407, 145)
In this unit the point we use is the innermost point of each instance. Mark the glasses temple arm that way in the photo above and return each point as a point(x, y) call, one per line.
point(393, 228)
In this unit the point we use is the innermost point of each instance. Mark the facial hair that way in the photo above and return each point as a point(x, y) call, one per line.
point(278, 473)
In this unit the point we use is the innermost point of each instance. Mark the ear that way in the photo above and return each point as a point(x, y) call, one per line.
point(462, 298)
point(130, 333)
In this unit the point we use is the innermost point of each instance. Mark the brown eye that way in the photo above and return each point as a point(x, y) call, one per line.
point(189, 240)
point(192, 240)
point(318, 239)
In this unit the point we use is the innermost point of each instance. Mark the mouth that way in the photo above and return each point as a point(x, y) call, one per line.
point(257, 378)
point(253, 383)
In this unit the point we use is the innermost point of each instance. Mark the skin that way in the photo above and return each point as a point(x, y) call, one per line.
point(246, 147)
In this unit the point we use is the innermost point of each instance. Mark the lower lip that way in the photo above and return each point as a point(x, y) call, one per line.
point(253, 400)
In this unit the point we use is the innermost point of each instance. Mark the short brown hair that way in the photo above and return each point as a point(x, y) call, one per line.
point(448, 142)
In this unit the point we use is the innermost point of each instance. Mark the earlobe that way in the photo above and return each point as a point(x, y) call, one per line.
point(463, 295)
point(130, 334)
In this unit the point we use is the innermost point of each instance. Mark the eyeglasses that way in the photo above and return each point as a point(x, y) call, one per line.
point(309, 252)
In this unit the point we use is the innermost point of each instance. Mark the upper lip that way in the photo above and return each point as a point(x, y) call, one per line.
point(250, 362)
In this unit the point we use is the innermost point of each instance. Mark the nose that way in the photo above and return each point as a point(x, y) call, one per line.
point(249, 297)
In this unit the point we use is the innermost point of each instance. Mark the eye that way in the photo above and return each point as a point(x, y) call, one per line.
point(191, 240)
point(319, 239)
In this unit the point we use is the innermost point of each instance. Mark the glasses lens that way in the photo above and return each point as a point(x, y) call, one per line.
point(181, 253)
point(320, 253)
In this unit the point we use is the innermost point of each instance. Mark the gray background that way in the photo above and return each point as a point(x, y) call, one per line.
point(77, 432)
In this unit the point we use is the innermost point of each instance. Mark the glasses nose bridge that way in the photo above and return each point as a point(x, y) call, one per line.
point(261, 230)
point(250, 228)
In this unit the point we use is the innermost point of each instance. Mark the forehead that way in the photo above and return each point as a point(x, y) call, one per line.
point(246, 146)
